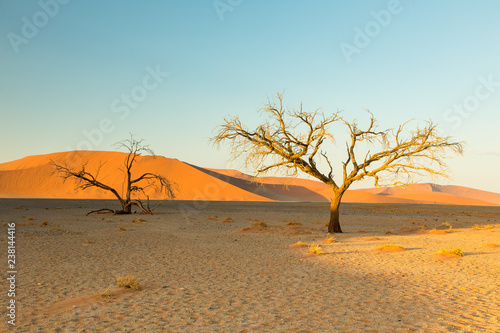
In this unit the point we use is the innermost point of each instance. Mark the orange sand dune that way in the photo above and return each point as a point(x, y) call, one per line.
point(34, 176)
point(38, 178)
point(443, 193)
point(416, 193)
point(440, 198)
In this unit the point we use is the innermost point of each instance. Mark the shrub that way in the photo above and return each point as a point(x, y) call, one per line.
point(299, 244)
point(329, 240)
point(389, 247)
point(453, 252)
point(127, 281)
point(315, 249)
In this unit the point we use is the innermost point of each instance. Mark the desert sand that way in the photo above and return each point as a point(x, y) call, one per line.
point(204, 267)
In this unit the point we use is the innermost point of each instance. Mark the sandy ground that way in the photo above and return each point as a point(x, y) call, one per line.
point(200, 272)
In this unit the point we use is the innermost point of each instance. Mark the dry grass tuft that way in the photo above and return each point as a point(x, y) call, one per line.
point(330, 240)
point(105, 293)
point(445, 224)
point(212, 218)
point(228, 220)
point(299, 244)
point(257, 227)
point(368, 238)
point(315, 249)
point(260, 224)
point(389, 248)
point(43, 224)
point(139, 220)
point(482, 226)
point(127, 281)
point(293, 223)
point(254, 220)
point(436, 232)
point(122, 228)
point(453, 252)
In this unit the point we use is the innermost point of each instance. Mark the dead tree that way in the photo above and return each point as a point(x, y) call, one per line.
point(133, 185)
point(292, 141)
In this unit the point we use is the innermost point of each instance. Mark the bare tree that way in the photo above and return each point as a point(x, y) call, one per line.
point(291, 141)
point(133, 185)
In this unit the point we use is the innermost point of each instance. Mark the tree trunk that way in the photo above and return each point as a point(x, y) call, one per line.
point(334, 226)
point(126, 207)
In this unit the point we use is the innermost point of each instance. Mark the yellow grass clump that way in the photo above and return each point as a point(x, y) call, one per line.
point(453, 252)
point(260, 224)
point(299, 244)
point(389, 248)
point(369, 238)
point(329, 240)
point(315, 249)
point(436, 231)
point(294, 223)
point(105, 293)
point(228, 220)
point(127, 281)
point(482, 226)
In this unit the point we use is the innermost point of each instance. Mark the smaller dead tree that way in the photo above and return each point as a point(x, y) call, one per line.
point(134, 186)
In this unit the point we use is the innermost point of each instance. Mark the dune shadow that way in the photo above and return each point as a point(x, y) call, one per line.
point(271, 191)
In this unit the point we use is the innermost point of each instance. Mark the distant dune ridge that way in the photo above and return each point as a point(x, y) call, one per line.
point(34, 177)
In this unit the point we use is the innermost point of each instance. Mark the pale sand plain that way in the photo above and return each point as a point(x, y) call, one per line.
point(200, 273)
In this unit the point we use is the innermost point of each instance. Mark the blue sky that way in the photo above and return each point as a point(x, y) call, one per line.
point(84, 74)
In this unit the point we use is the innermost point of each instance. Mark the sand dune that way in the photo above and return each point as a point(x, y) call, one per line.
point(38, 178)
point(34, 177)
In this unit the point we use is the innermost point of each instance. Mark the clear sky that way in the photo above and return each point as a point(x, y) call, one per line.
point(80, 74)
